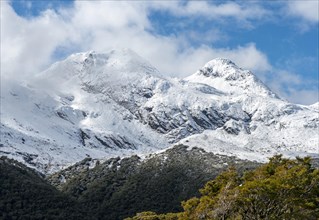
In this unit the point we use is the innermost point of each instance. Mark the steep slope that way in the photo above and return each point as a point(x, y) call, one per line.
point(226, 76)
point(62, 116)
point(274, 125)
point(115, 104)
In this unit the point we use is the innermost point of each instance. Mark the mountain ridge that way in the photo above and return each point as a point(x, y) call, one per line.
point(117, 104)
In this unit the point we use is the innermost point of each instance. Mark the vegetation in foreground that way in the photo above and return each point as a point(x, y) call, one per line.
point(112, 190)
point(119, 188)
point(280, 189)
point(24, 194)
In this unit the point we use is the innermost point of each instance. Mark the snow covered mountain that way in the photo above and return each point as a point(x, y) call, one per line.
point(116, 103)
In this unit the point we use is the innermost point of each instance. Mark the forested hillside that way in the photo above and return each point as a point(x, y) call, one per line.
point(280, 189)
point(119, 188)
point(168, 182)
point(24, 194)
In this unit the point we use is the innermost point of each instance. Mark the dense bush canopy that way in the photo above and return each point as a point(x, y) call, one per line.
point(24, 194)
point(280, 189)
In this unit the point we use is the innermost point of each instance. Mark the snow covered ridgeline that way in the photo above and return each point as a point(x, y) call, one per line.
point(117, 104)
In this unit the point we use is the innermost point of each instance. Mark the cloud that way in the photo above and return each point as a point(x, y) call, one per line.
point(29, 45)
point(213, 11)
point(110, 15)
point(307, 10)
point(290, 86)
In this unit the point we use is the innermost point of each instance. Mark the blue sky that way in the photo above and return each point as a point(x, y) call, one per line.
point(278, 40)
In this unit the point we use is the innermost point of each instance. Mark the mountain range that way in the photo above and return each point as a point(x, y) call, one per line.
point(103, 105)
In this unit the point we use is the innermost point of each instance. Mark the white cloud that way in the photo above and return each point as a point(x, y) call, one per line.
point(28, 45)
point(109, 15)
point(288, 86)
point(306, 9)
point(213, 11)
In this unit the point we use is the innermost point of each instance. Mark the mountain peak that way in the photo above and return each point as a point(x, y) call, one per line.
point(221, 67)
point(119, 59)
point(115, 67)
point(221, 61)
point(224, 75)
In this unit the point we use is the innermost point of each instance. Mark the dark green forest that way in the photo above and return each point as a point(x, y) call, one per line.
point(24, 194)
point(186, 184)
